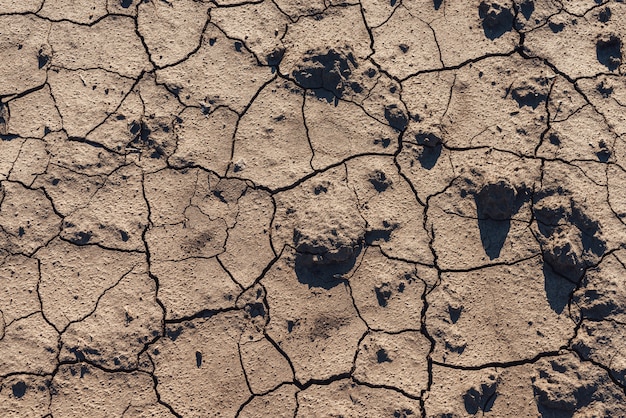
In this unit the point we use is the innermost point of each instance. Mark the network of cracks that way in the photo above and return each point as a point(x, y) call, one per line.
point(284, 208)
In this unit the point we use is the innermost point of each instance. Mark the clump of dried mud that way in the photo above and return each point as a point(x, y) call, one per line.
point(312, 208)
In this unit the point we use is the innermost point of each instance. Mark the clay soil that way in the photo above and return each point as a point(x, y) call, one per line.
point(312, 208)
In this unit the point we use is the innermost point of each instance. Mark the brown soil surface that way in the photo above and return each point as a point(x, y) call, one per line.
point(312, 208)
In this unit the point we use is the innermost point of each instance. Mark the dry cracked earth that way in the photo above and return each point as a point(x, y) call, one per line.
point(312, 208)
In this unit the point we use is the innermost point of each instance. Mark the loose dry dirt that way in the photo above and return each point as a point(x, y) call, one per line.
point(320, 208)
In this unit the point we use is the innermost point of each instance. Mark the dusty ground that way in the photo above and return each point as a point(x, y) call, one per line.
point(312, 208)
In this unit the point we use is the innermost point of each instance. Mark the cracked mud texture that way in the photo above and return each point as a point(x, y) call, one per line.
point(324, 208)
